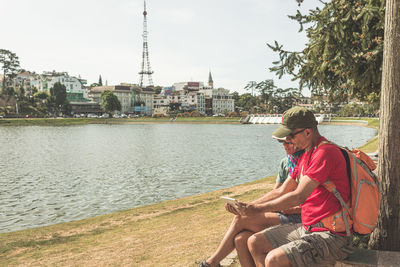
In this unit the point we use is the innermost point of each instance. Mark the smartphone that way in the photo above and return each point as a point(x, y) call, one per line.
point(230, 200)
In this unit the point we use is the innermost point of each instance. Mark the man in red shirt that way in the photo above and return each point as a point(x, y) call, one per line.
point(308, 243)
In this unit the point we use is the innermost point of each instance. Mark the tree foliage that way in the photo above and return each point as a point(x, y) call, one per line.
point(58, 94)
point(251, 86)
point(235, 96)
point(109, 101)
point(10, 65)
point(41, 95)
point(343, 56)
point(247, 102)
point(57, 101)
point(267, 98)
point(157, 90)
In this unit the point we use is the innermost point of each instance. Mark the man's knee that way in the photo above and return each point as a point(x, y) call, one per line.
point(277, 257)
point(241, 239)
point(251, 242)
point(258, 242)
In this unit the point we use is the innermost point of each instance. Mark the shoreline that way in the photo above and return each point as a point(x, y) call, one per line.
point(177, 232)
point(85, 121)
point(184, 120)
point(152, 235)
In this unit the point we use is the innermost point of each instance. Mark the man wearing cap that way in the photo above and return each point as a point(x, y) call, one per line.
point(242, 227)
point(308, 243)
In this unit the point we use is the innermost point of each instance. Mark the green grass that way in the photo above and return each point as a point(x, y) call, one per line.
point(372, 122)
point(371, 146)
point(48, 122)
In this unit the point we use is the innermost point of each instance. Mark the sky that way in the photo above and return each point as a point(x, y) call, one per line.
point(186, 38)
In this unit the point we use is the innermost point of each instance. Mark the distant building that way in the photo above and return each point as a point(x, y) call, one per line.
point(143, 101)
point(167, 91)
point(189, 86)
point(321, 103)
point(188, 101)
point(75, 87)
point(123, 93)
point(210, 80)
point(24, 80)
point(133, 99)
point(86, 107)
point(304, 102)
point(161, 105)
point(205, 99)
point(218, 101)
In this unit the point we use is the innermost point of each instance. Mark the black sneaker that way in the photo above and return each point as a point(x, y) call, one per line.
point(205, 264)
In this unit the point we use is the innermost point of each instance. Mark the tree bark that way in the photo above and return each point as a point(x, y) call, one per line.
point(387, 233)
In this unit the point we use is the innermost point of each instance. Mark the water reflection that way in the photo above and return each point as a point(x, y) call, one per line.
point(56, 174)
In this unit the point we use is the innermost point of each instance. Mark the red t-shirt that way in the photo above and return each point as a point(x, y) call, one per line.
point(320, 164)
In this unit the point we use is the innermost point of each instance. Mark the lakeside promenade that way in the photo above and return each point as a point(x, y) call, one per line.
point(178, 232)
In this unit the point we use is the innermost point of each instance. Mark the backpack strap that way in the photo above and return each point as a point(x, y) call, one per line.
point(347, 159)
point(331, 187)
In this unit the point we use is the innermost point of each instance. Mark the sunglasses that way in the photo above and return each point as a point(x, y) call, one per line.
point(292, 135)
point(285, 142)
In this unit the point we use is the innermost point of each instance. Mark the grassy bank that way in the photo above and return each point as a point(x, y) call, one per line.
point(82, 121)
point(172, 233)
point(372, 122)
point(178, 232)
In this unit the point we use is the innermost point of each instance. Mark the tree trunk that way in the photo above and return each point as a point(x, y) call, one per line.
point(387, 233)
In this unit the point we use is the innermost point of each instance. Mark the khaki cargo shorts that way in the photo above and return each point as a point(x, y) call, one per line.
point(304, 248)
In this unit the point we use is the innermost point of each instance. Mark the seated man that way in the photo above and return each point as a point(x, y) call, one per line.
point(242, 227)
point(309, 243)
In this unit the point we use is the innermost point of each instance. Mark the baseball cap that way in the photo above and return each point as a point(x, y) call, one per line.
point(296, 117)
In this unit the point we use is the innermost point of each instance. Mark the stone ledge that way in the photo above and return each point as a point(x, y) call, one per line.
point(367, 258)
point(229, 260)
point(360, 258)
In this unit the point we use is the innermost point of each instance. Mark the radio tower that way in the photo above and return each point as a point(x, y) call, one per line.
point(146, 70)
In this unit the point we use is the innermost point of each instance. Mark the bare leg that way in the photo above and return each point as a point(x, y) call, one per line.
point(277, 258)
point(264, 254)
point(259, 247)
point(245, 258)
point(254, 223)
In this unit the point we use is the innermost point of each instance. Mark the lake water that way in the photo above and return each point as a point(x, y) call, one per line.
point(50, 175)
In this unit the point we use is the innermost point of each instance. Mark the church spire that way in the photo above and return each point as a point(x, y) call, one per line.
point(210, 80)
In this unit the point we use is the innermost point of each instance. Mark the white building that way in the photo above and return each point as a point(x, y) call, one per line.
point(221, 100)
point(161, 105)
point(75, 87)
point(24, 80)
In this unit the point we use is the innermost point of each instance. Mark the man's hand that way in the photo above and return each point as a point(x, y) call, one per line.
point(231, 209)
point(247, 209)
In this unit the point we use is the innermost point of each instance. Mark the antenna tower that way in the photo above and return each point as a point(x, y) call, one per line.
point(146, 70)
